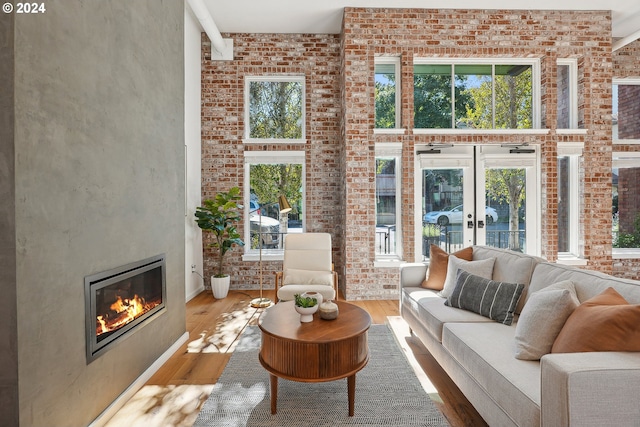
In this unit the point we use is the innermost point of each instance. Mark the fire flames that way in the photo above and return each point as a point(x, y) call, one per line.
point(126, 310)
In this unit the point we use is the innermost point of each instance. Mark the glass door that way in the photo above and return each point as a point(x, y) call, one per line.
point(476, 195)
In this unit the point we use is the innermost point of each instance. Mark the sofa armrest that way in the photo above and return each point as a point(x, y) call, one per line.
point(412, 274)
point(590, 389)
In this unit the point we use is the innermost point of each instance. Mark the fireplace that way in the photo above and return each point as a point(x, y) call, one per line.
point(121, 300)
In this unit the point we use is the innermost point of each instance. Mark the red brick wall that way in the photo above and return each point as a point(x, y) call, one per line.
point(317, 57)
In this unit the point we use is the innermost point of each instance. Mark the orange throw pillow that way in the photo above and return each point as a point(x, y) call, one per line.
point(438, 263)
point(606, 322)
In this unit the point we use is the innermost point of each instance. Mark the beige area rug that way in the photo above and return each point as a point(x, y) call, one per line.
point(388, 393)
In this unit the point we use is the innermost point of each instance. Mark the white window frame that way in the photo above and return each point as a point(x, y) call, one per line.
point(573, 150)
point(572, 63)
point(536, 92)
point(626, 82)
point(395, 61)
point(293, 78)
point(387, 151)
point(622, 160)
point(268, 157)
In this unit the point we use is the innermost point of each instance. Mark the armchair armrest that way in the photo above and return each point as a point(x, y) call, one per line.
point(412, 274)
point(590, 389)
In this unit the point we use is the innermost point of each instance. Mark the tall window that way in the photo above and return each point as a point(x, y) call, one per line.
point(569, 209)
point(474, 95)
point(275, 108)
point(567, 84)
point(269, 175)
point(387, 240)
point(387, 93)
point(626, 200)
point(626, 110)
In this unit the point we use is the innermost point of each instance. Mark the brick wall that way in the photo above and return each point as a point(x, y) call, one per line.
point(316, 57)
point(340, 104)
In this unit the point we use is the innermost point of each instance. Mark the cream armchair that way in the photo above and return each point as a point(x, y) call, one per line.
point(307, 267)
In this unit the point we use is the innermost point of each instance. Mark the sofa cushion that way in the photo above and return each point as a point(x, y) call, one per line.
point(431, 312)
point(438, 263)
point(606, 322)
point(510, 266)
point(482, 268)
point(495, 300)
point(542, 318)
point(485, 351)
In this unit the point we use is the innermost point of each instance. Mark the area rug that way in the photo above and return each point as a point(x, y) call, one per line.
point(387, 392)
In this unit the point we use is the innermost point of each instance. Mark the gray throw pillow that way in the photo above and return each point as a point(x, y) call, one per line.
point(542, 318)
point(495, 300)
point(482, 268)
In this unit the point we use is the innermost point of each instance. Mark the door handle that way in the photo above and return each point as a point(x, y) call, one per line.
point(480, 224)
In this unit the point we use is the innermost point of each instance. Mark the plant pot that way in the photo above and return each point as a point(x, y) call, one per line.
point(306, 313)
point(316, 295)
point(220, 286)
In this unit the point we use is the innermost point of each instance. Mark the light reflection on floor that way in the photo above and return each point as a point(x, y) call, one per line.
point(223, 338)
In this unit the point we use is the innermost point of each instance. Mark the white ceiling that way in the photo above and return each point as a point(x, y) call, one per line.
point(325, 16)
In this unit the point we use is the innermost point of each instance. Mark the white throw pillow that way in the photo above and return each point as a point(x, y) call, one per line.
point(542, 318)
point(293, 276)
point(482, 268)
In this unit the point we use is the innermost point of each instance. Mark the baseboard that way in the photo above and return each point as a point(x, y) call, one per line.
point(126, 395)
point(195, 293)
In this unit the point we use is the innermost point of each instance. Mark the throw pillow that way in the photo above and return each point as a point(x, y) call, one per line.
point(495, 300)
point(293, 276)
point(606, 322)
point(482, 268)
point(438, 262)
point(542, 318)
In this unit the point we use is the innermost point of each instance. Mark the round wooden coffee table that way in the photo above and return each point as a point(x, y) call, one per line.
point(318, 351)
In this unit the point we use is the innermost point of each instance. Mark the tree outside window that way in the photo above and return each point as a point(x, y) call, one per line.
point(275, 108)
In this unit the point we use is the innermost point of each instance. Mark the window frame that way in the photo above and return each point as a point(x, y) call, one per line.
point(395, 61)
point(573, 150)
point(572, 63)
point(268, 157)
point(536, 100)
point(624, 82)
point(392, 150)
point(622, 159)
point(279, 78)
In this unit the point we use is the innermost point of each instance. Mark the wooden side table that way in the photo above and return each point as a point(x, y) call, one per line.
point(318, 351)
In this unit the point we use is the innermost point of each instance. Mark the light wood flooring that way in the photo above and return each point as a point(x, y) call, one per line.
point(174, 395)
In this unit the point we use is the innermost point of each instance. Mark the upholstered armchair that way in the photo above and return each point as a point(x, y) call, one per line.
point(307, 267)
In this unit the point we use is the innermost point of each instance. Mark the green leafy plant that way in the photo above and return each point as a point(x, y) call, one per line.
point(629, 240)
point(305, 302)
point(219, 217)
point(431, 230)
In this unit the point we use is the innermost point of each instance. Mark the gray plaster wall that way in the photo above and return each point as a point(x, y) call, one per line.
point(8, 313)
point(99, 183)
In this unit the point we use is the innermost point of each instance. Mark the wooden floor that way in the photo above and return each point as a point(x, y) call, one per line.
point(174, 395)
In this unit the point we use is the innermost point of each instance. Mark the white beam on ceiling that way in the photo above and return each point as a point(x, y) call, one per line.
point(223, 47)
point(625, 40)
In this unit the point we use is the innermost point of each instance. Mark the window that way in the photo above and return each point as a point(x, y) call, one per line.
point(569, 156)
point(626, 110)
point(388, 201)
point(275, 108)
point(269, 175)
point(567, 84)
point(475, 95)
point(387, 93)
point(626, 202)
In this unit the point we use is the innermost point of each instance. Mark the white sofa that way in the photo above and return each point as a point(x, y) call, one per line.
point(562, 389)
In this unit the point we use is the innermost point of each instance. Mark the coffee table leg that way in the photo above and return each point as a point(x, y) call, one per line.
point(274, 393)
point(351, 391)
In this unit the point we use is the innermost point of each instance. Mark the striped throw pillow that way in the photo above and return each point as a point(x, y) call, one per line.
point(495, 300)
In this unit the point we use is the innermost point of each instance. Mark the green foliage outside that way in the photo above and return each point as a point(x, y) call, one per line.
point(629, 240)
point(386, 102)
point(269, 181)
point(275, 110)
point(432, 101)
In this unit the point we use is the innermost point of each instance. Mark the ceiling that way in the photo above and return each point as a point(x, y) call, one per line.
point(325, 16)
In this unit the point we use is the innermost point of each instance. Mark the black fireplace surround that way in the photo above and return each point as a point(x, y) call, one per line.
point(121, 300)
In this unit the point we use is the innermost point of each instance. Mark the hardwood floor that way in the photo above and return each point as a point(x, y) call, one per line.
point(174, 394)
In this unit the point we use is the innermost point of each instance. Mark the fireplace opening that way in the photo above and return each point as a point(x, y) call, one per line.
point(120, 300)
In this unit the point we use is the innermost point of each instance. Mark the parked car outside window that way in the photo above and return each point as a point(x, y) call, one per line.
point(453, 215)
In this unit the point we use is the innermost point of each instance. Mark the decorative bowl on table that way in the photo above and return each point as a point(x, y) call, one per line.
point(306, 306)
point(306, 313)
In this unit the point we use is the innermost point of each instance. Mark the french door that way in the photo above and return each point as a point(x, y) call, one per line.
point(484, 195)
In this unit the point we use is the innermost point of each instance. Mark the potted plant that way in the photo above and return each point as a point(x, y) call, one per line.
point(305, 306)
point(219, 217)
